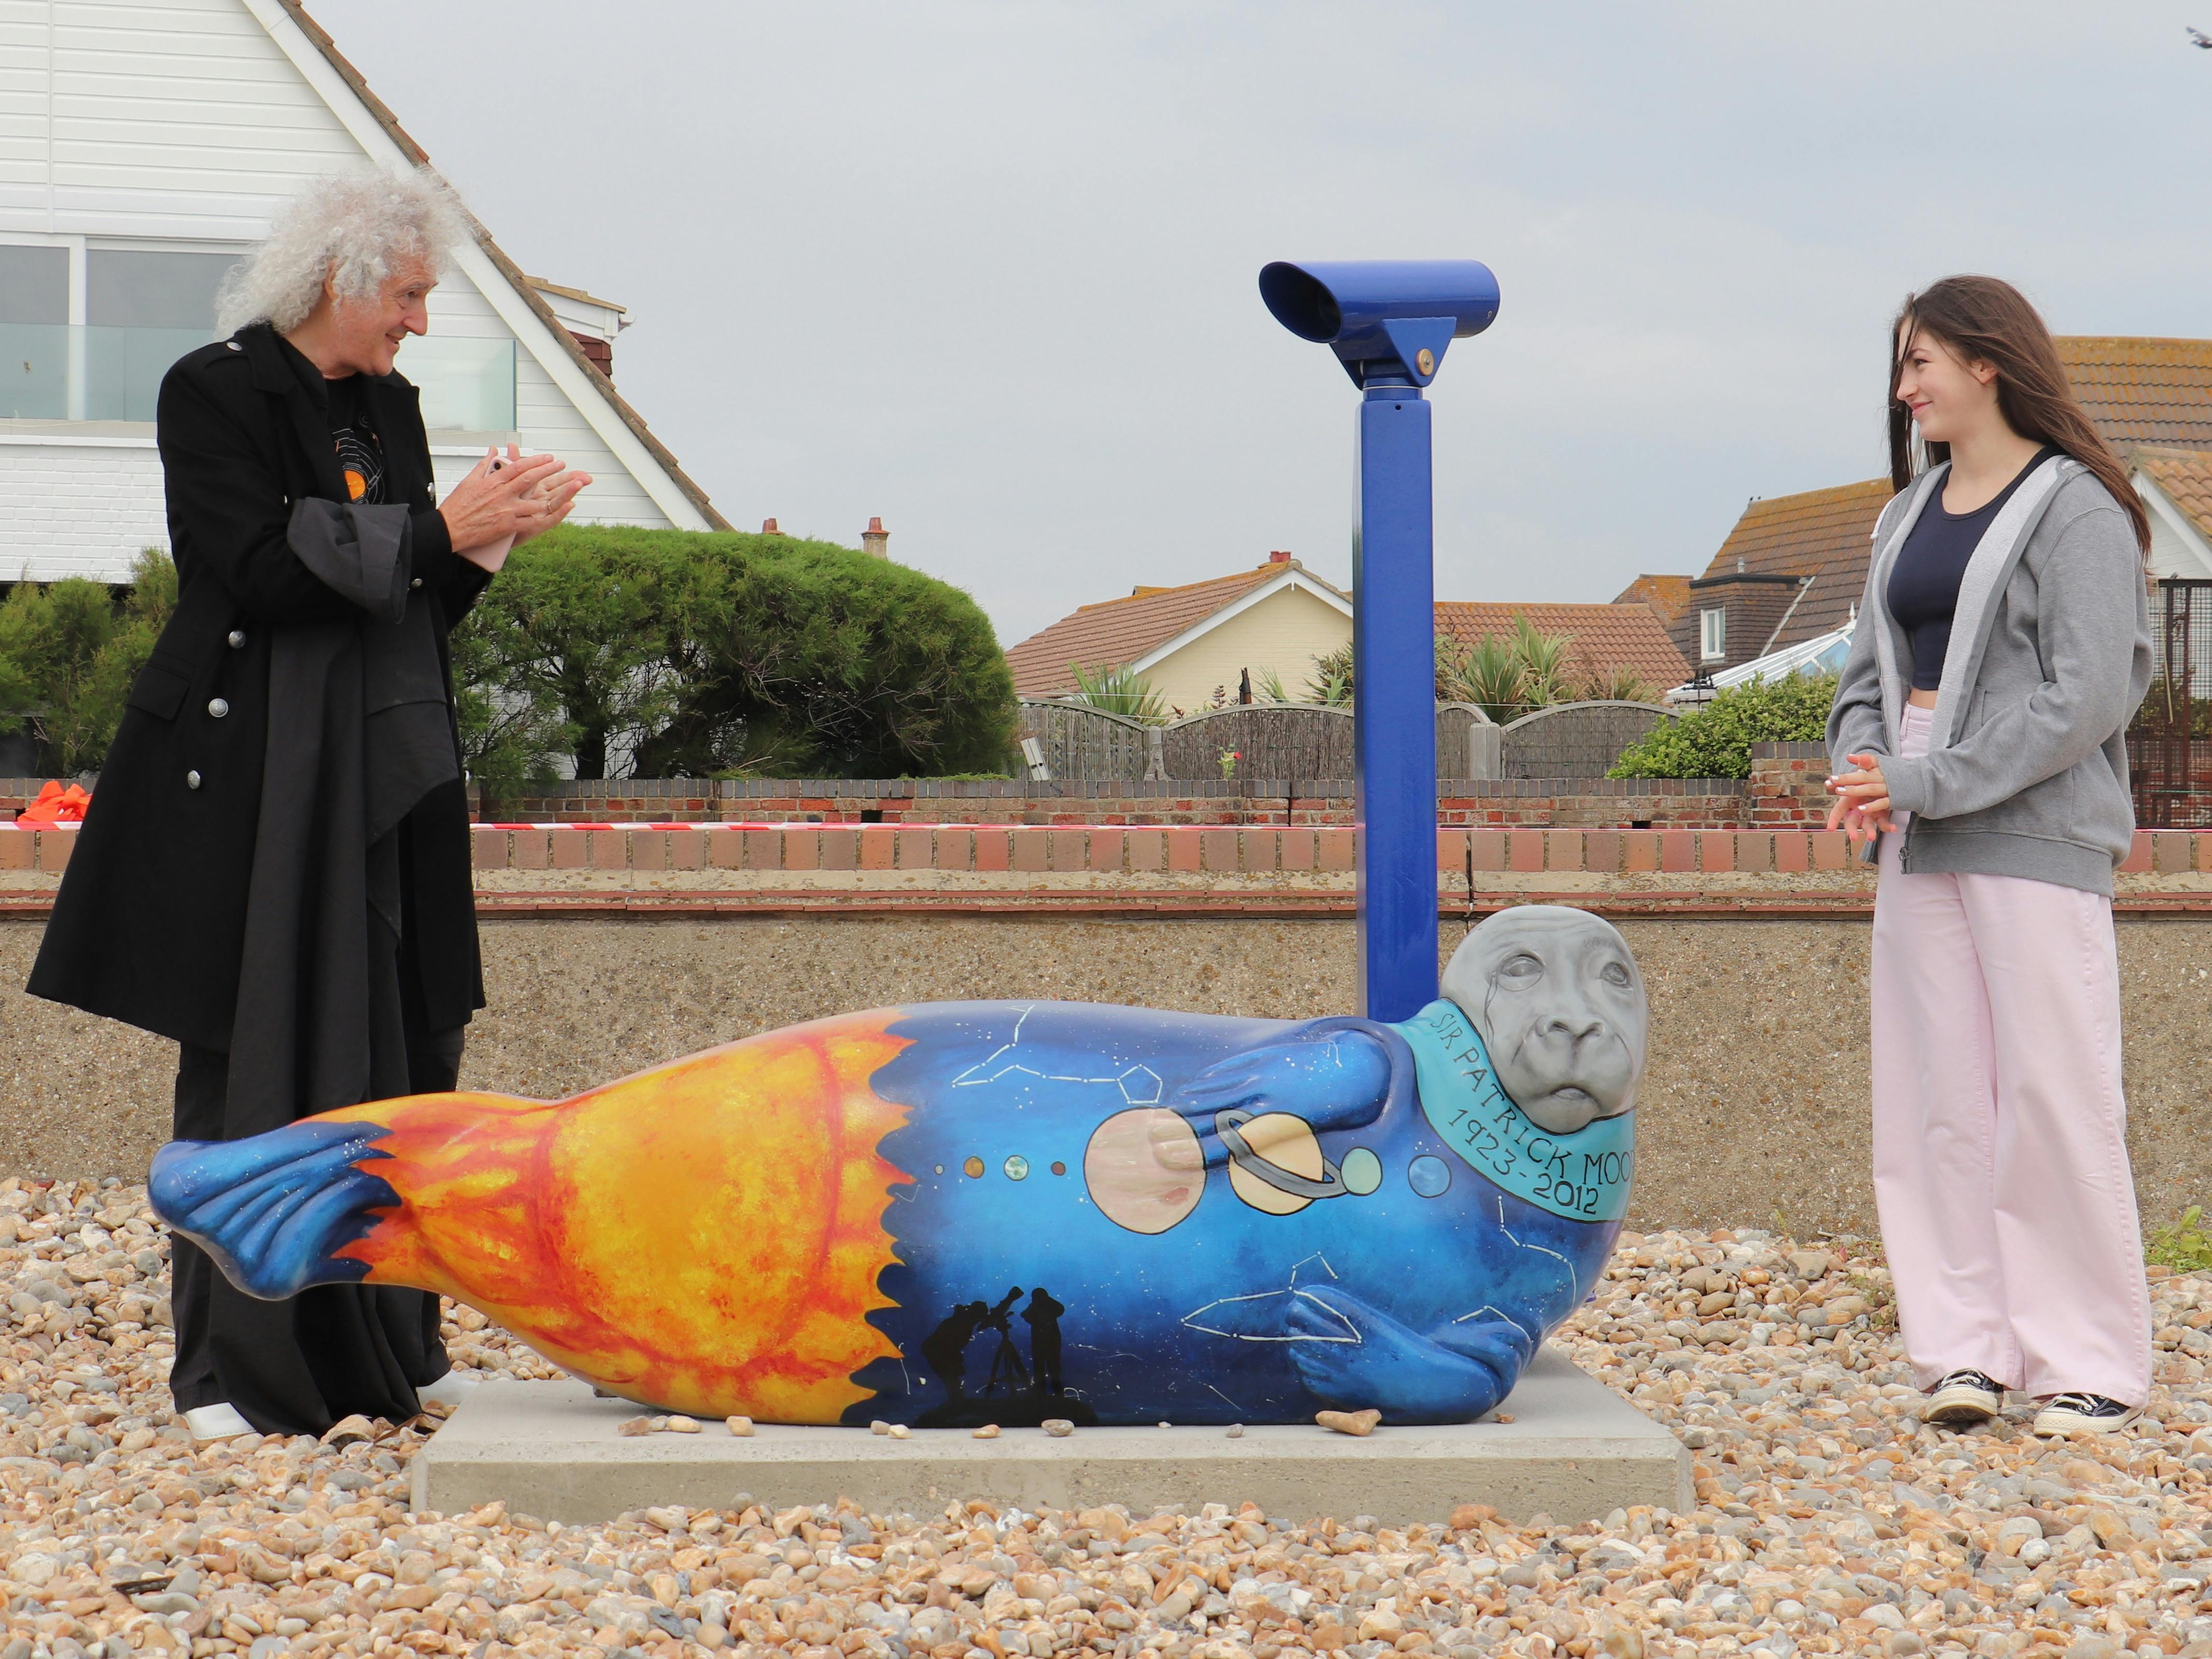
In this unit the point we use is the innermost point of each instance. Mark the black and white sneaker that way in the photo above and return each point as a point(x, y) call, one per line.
point(1962, 1398)
point(2065, 1415)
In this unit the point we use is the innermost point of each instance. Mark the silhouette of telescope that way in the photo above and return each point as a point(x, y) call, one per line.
point(1389, 321)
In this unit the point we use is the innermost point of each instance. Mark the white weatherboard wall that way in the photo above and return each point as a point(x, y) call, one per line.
point(183, 123)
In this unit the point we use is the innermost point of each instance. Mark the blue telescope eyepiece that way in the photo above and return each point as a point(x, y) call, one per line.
point(1386, 319)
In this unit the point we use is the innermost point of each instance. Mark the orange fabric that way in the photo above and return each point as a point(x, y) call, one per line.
point(56, 805)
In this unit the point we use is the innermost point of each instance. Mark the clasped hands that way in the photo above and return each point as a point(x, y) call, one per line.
point(505, 501)
point(1862, 807)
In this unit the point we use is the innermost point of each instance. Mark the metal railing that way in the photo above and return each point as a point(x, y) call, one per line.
point(2170, 739)
point(90, 372)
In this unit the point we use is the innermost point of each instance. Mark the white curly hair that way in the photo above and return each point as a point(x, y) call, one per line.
point(352, 230)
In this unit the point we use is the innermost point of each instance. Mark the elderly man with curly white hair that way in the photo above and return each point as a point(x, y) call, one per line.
point(275, 870)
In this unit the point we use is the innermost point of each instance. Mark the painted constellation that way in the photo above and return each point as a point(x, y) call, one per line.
point(1248, 1318)
point(1140, 1085)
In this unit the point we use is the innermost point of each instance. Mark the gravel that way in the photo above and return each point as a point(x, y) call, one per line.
point(1829, 1519)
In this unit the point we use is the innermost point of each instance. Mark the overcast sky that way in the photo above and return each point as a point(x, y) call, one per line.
point(988, 269)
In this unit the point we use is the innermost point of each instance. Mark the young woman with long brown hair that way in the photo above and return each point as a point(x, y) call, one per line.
point(2002, 643)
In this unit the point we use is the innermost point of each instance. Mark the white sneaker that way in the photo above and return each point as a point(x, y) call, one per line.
point(2066, 1415)
point(449, 1391)
point(205, 1423)
point(1963, 1398)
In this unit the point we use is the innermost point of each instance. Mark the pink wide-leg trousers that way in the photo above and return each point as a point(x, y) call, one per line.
point(1999, 1133)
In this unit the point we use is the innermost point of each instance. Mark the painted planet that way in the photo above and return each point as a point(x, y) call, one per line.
point(1289, 1143)
point(1363, 1172)
point(1144, 1170)
point(1429, 1176)
point(1018, 1167)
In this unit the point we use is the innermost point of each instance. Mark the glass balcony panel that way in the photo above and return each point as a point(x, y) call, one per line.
point(467, 384)
point(58, 372)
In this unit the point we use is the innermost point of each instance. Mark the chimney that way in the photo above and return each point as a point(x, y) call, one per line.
point(1283, 557)
point(768, 527)
point(875, 540)
point(600, 354)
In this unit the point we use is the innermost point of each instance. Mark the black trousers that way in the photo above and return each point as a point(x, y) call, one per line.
point(298, 1365)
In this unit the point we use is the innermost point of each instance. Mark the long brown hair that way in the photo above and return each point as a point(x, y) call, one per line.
point(1985, 319)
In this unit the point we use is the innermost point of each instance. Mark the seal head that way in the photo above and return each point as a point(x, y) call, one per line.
point(1560, 1005)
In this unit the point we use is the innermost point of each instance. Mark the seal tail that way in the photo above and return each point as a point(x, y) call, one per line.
point(340, 1198)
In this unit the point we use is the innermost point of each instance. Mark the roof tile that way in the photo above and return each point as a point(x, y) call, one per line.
point(1607, 636)
point(1115, 632)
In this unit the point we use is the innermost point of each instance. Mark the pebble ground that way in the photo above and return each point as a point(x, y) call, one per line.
point(1829, 1519)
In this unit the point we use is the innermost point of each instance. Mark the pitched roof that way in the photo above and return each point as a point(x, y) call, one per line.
point(1114, 632)
point(2185, 478)
point(2138, 390)
point(320, 39)
point(1822, 533)
point(1667, 595)
point(1607, 636)
point(2143, 391)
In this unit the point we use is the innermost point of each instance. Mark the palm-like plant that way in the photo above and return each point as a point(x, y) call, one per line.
point(1330, 684)
point(1118, 689)
point(1492, 676)
point(1620, 683)
point(1543, 658)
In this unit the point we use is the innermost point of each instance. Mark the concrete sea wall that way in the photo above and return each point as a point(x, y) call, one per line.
point(608, 956)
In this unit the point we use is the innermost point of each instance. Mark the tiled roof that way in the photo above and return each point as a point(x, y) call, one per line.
point(1606, 636)
point(2141, 391)
point(2185, 477)
point(1667, 595)
point(320, 38)
point(1116, 632)
point(1824, 534)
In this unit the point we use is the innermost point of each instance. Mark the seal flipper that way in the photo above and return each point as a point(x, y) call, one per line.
point(1453, 1375)
point(272, 1210)
point(1334, 1079)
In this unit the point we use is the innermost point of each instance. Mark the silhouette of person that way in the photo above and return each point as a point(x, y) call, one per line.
point(1044, 1315)
point(945, 1348)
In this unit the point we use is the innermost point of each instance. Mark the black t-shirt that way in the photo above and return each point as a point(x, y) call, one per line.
point(1923, 584)
point(353, 435)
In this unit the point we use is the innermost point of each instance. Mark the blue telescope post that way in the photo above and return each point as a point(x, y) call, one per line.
point(1389, 322)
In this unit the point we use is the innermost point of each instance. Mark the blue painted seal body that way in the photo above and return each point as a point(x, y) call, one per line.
point(1233, 1314)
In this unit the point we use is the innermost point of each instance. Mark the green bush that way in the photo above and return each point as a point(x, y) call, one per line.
point(676, 653)
point(1715, 741)
point(68, 651)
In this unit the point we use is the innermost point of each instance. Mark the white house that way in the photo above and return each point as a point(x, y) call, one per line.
point(144, 147)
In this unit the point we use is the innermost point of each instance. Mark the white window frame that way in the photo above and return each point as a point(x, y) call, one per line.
point(1712, 635)
point(79, 283)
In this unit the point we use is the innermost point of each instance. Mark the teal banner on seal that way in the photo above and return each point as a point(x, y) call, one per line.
point(1584, 1175)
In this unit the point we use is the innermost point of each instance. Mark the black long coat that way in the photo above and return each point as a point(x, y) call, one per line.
point(150, 922)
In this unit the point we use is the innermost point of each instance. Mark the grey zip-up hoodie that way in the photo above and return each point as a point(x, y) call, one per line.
point(2027, 767)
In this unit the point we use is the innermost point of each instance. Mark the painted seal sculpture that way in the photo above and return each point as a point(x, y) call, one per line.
point(958, 1212)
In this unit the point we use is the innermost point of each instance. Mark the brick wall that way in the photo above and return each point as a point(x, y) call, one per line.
point(1785, 791)
point(77, 508)
point(1694, 802)
point(1160, 870)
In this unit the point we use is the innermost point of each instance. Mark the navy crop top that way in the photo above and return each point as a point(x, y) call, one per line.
point(1923, 583)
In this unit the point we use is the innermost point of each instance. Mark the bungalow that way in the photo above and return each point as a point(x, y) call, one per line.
point(142, 153)
point(1794, 567)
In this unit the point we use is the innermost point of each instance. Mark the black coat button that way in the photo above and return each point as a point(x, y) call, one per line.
point(238, 638)
point(218, 708)
point(417, 582)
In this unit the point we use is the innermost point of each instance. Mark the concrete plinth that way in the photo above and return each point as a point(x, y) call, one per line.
point(1574, 1450)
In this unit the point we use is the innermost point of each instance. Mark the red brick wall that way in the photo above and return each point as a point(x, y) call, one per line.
point(1784, 790)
